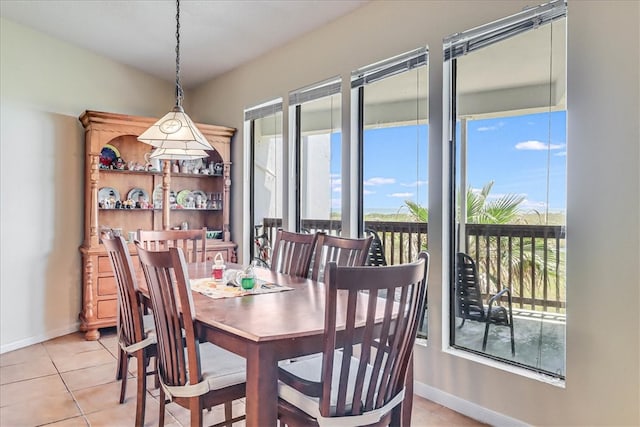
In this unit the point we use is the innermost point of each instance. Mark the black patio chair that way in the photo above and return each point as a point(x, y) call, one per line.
point(469, 300)
point(376, 256)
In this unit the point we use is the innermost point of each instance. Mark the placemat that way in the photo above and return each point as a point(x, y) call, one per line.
point(212, 289)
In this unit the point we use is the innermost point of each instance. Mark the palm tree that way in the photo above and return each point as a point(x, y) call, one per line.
point(482, 209)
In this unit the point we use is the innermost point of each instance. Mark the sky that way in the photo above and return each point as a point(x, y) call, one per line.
point(517, 153)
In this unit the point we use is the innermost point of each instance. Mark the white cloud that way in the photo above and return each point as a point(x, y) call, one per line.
point(400, 195)
point(368, 192)
point(337, 189)
point(379, 181)
point(489, 128)
point(414, 183)
point(561, 154)
point(532, 205)
point(537, 145)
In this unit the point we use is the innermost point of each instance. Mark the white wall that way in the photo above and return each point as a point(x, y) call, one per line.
point(603, 355)
point(45, 86)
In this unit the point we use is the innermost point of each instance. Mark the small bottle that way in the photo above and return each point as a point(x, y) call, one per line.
point(249, 277)
point(217, 272)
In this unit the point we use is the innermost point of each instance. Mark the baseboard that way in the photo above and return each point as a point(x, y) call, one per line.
point(39, 338)
point(465, 407)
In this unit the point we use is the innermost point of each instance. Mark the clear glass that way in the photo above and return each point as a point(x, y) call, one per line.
point(395, 145)
point(510, 196)
point(320, 164)
point(268, 173)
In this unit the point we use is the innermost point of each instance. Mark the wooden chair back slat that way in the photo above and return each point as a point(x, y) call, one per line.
point(192, 242)
point(341, 250)
point(292, 253)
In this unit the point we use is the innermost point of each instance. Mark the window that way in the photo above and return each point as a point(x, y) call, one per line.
point(266, 173)
point(391, 99)
point(317, 118)
point(507, 83)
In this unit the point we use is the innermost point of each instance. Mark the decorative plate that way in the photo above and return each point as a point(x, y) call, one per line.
point(184, 199)
point(135, 194)
point(157, 197)
point(196, 193)
point(108, 193)
point(108, 155)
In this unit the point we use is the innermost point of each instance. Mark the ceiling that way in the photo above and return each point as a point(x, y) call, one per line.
point(215, 35)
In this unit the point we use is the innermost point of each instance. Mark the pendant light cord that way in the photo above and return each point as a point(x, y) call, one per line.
point(179, 94)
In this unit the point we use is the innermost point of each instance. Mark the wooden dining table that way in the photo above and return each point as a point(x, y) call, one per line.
point(265, 329)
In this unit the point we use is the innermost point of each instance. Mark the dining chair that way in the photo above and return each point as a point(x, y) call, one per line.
point(194, 375)
point(360, 377)
point(292, 253)
point(343, 251)
point(470, 305)
point(192, 242)
point(136, 331)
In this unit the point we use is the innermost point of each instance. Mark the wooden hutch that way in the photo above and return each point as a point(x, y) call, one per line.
point(108, 135)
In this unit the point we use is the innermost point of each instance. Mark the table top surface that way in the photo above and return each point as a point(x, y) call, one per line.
point(264, 317)
point(276, 316)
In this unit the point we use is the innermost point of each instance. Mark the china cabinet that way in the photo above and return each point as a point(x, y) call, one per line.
point(125, 192)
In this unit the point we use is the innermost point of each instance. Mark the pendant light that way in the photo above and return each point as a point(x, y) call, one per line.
point(175, 135)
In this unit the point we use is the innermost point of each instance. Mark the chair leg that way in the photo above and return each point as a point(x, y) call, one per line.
point(513, 343)
point(162, 398)
point(486, 335)
point(195, 404)
point(121, 355)
point(123, 372)
point(142, 388)
point(157, 373)
point(228, 413)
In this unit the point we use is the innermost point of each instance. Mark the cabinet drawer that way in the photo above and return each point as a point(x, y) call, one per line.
point(104, 265)
point(107, 308)
point(107, 286)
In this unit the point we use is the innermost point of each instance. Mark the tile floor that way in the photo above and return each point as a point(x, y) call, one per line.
point(68, 381)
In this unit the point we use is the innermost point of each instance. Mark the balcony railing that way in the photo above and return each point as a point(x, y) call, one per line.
point(527, 258)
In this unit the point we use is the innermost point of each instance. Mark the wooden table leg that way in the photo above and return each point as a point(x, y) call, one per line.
point(262, 386)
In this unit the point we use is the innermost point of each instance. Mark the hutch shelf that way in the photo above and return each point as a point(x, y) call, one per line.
point(132, 194)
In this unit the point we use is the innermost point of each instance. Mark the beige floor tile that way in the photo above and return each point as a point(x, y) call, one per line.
point(23, 355)
point(70, 344)
point(34, 368)
point(103, 396)
point(109, 340)
point(43, 410)
point(125, 414)
point(214, 416)
point(71, 362)
point(29, 390)
point(70, 422)
point(89, 377)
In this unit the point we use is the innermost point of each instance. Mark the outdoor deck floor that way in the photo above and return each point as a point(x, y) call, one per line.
point(540, 342)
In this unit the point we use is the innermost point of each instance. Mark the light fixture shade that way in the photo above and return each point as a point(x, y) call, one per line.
point(175, 131)
point(177, 154)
